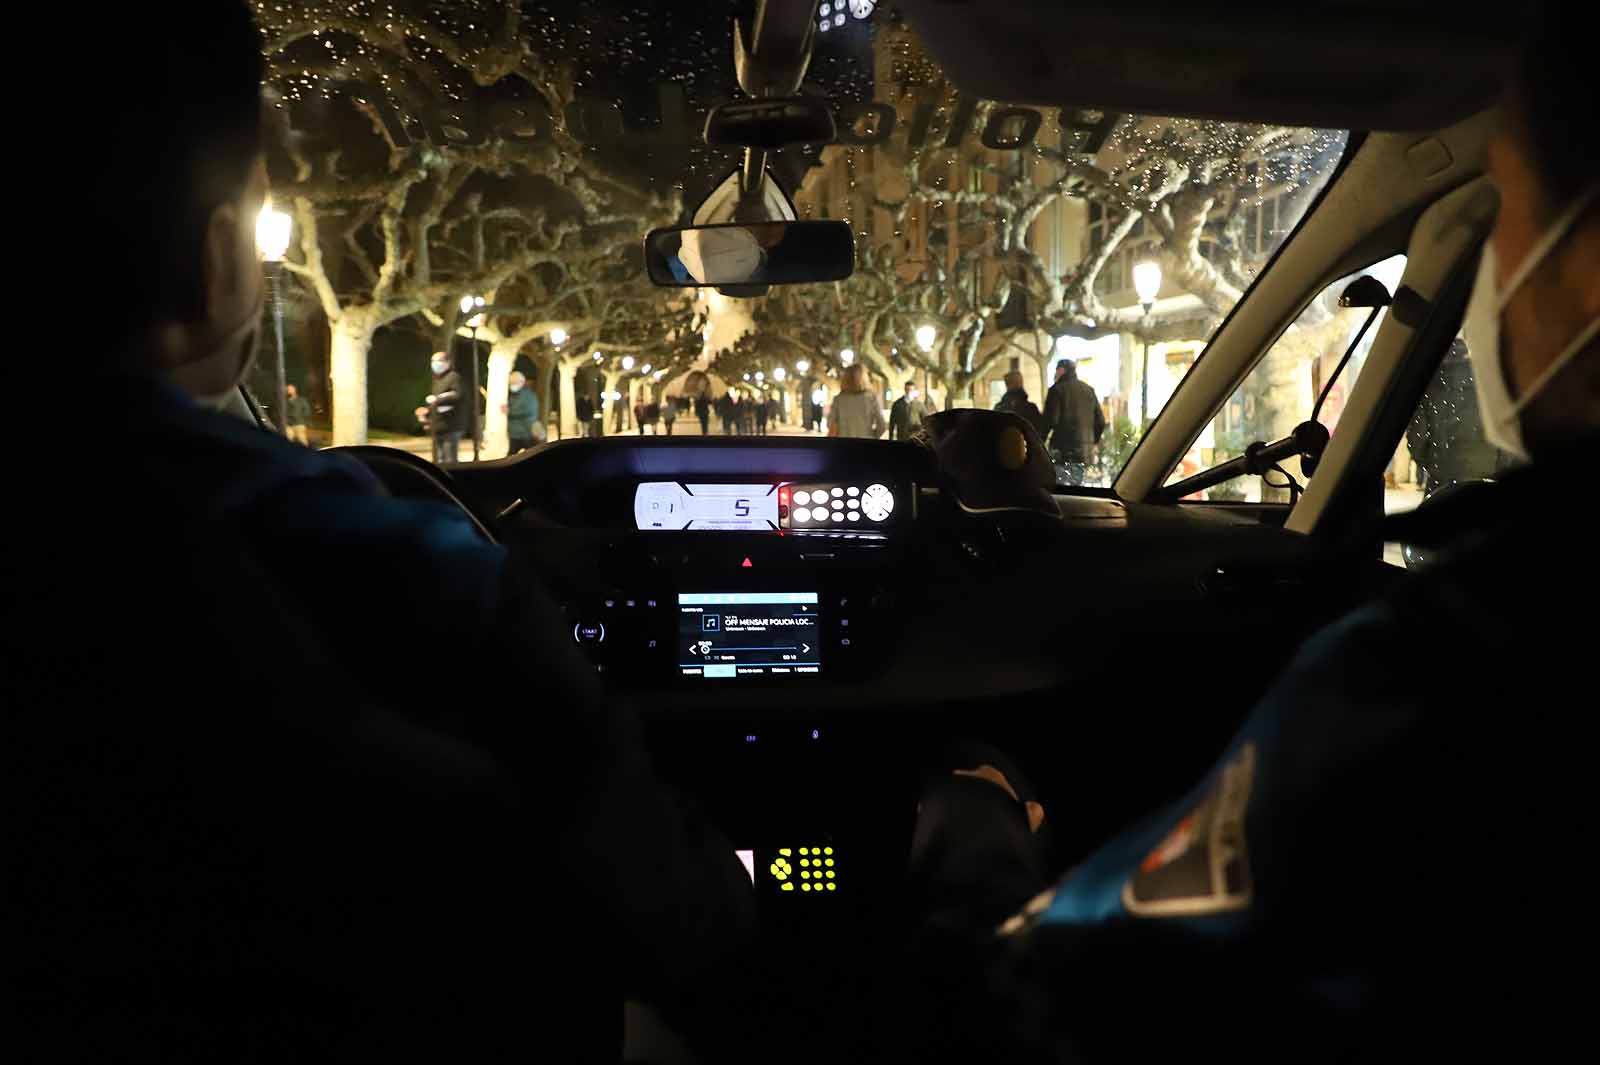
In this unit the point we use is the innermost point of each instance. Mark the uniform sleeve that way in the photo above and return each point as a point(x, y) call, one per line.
point(428, 605)
point(1169, 918)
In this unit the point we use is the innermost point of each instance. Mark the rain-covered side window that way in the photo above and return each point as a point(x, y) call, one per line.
point(1444, 445)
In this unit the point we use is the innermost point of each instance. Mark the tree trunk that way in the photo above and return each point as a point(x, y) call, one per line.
point(619, 418)
point(351, 345)
point(495, 440)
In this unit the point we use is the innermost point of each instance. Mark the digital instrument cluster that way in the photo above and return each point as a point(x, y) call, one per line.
point(865, 506)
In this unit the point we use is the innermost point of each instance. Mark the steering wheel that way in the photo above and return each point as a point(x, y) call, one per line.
point(409, 476)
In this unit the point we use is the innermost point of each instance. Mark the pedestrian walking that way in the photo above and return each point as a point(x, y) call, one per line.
point(522, 415)
point(856, 410)
point(1016, 401)
point(296, 412)
point(1073, 423)
point(447, 409)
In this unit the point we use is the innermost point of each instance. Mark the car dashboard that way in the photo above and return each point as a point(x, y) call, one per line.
point(698, 571)
point(795, 672)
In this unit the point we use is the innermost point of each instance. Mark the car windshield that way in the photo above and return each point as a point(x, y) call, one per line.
point(476, 179)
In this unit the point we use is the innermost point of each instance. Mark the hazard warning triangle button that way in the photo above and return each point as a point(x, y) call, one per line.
point(745, 564)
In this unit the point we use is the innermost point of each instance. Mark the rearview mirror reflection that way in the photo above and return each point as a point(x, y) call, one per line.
point(755, 253)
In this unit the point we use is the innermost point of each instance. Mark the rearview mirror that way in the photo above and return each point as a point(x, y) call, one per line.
point(753, 253)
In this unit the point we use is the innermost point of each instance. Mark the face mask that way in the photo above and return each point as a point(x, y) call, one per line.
point(515, 388)
point(720, 256)
point(1482, 330)
point(439, 368)
point(211, 379)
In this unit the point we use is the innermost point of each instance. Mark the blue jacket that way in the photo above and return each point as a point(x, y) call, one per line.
point(240, 684)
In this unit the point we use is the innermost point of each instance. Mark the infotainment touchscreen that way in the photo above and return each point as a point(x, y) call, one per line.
point(748, 634)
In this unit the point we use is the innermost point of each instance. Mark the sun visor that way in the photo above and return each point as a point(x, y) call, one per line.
point(1328, 65)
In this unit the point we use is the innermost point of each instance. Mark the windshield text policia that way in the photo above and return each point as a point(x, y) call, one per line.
point(595, 121)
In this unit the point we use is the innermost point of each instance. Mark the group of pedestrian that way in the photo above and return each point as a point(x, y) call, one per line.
point(743, 415)
point(1071, 423)
point(447, 416)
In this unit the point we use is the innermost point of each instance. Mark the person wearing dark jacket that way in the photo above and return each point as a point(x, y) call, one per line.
point(1316, 886)
point(447, 409)
point(669, 412)
point(1016, 401)
point(1073, 421)
point(240, 827)
point(522, 414)
point(296, 413)
point(906, 413)
point(761, 413)
point(702, 411)
point(583, 408)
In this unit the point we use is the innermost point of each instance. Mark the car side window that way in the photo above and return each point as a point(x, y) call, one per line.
point(1444, 444)
point(1282, 390)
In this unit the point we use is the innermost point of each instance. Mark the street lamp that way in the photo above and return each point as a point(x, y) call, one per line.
point(644, 369)
point(803, 365)
point(1147, 282)
point(598, 357)
point(747, 377)
point(558, 337)
point(467, 305)
point(779, 374)
point(760, 376)
point(926, 335)
point(627, 362)
point(846, 357)
point(272, 238)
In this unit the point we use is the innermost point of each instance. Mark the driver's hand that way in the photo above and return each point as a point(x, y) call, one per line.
point(998, 779)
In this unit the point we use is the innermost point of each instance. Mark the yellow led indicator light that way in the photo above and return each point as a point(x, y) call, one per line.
point(785, 851)
point(804, 851)
point(830, 874)
point(827, 850)
point(805, 887)
point(832, 886)
point(828, 862)
point(789, 886)
point(780, 869)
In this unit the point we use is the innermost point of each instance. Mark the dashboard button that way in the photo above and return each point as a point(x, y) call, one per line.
point(589, 632)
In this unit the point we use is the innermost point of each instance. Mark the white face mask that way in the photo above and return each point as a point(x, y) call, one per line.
point(515, 388)
point(211, 379)
point(439, 368)
point(1482, 330)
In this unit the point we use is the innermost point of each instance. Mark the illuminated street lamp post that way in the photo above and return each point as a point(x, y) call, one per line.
point(272, 237)
point(1147, 281)
point(467, 304)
